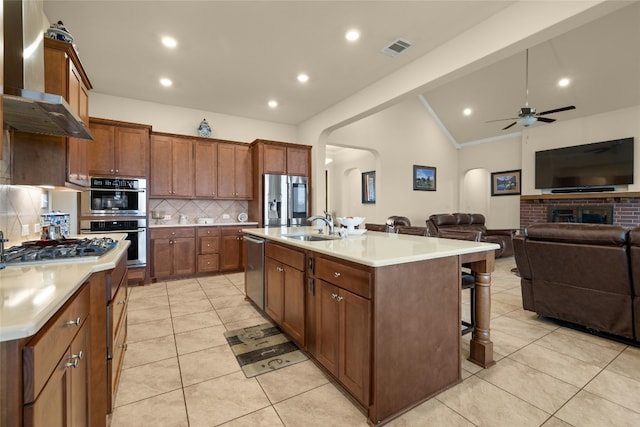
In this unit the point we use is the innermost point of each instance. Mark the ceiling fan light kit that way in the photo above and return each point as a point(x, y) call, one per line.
point(527, 116)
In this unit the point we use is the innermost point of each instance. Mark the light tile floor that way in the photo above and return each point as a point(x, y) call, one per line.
point(179, 371)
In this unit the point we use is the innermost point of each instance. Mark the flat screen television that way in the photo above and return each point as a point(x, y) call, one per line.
point(606, 163)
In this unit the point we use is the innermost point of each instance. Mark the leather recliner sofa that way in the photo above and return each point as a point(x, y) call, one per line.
point(438, 223)
point(582, 273)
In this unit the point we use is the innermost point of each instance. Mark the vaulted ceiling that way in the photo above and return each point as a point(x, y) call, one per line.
point(234, 56)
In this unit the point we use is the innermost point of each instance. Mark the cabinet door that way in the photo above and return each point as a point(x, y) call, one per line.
point(52, 408)
point(274, 289)
point(297, 161)
point(327, 325)
point(243, 173)
point(206, 169)
point(353, 364)
point(293, 307)
point(184, 255)
point(230, 253)
point(80, 384)
point(182, 167)
point(160, 175)
point(162, 260)
point(226, 171)
point(100, 150)
point(130, 152)
point(275, 159)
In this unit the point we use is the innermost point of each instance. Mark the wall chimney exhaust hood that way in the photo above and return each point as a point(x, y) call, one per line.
point(42, 113)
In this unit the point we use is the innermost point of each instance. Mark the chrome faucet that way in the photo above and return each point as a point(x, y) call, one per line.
point(328, 219)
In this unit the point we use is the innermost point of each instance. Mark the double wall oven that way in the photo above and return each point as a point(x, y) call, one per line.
point(117, 205)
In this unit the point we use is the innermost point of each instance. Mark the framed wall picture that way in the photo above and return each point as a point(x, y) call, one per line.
point(424, 178)
point(506, 183)
point(369, 187)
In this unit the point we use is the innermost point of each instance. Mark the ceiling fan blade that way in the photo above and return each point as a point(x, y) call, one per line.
point(546, 119)
point(557, 110)
point(501, 120)
point(507, 127)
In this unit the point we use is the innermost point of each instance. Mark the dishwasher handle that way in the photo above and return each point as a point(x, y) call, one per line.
point(253, 239)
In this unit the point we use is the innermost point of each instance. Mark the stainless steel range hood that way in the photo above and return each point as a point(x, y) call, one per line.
point(42, 113)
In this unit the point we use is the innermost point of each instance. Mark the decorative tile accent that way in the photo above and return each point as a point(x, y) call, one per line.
point(195, 209)
point(19, 205)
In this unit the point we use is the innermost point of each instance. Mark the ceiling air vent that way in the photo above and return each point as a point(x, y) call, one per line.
point(397, 47)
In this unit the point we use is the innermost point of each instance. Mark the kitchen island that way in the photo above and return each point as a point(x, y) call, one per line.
point(63, 327)
point(379, 311)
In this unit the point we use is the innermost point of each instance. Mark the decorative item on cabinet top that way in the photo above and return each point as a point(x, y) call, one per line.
point(59, 32)
point(204, 129)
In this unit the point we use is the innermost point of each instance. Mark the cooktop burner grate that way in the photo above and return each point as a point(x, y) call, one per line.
point(59, 250)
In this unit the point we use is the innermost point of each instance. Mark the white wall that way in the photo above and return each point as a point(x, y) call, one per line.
point(400, 136)
point(185, 121)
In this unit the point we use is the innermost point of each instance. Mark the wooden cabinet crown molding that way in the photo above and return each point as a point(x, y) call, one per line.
point(71, 53)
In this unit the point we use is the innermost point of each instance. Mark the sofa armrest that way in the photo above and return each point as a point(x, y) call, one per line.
point(507, 236)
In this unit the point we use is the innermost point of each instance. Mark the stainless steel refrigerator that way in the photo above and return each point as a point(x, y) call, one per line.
point(286, 200)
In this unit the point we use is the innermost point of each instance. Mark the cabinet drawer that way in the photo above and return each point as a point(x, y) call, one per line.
point(231, 231)
point(208, 231)
point(116, 277)
point(118, 307)
point(42, 353)
point(208, 263)
point(170, 233)
point(114, 365)
point(350, 278)
point(285, 255)
point(209, 245)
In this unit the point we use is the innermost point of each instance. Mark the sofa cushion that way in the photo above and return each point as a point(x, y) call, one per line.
point(596, 234)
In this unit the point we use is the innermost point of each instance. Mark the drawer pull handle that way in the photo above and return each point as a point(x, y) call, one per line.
point(280, 269)
point(72, 364)
point(336, 274)
point(124, 301)
point(339, 298)
point(78, 356)
point(73, 322)
point(334, 296)
point(124, 346)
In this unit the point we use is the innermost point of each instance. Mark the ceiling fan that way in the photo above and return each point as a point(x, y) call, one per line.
point(528, 115)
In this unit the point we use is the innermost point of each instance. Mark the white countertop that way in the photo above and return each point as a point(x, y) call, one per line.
point(215, 224)
point(30, 295)
point(376, 249)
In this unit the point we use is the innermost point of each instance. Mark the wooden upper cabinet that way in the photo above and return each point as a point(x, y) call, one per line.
point(206, 169)
point(234, 171)
point(285, 159)
point(171, 173)
point(118, 149)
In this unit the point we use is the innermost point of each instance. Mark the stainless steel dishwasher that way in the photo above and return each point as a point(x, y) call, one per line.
point(254, 272)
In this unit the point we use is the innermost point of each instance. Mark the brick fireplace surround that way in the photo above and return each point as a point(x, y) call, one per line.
point(625, 206)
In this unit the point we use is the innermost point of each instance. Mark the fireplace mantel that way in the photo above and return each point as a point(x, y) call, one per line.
point(612, 196)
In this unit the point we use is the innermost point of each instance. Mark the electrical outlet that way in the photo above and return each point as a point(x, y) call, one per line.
point(25, 230)
point(37, 228)
point(167, 217)
point(226, 216)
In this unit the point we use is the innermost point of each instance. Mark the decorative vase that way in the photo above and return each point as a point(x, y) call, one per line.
point(204, 129)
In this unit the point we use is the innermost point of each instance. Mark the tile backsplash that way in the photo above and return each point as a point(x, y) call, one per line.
point(194, 209)
point(20, 206)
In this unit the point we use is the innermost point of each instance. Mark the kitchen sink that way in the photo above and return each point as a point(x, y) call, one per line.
point(309, 237)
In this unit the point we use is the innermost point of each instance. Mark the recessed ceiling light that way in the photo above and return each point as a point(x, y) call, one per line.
point(166, 82)
point(467, 111)
point(563, 82)
point(352, 35)
point(303, 78)
point(169, 42)
point(273, 103)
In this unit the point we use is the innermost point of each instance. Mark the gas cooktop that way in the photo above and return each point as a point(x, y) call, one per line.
point(50, 251)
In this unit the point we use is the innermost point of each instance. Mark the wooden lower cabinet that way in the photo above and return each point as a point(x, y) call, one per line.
point(231, 255)
point(173, 252)
point(285, 289)
point(342, 337)
point(208, 249)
